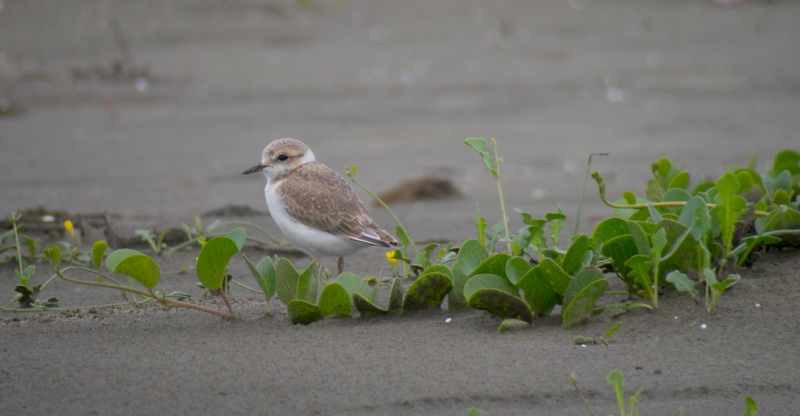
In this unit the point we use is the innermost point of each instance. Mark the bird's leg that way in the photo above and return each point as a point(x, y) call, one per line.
point(340, 265)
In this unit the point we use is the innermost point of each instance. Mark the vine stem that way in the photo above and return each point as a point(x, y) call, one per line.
point(602, 189)
point(500, 195)
point(149, 293)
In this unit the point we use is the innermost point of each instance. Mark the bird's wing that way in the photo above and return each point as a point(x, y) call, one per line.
point(330, 204)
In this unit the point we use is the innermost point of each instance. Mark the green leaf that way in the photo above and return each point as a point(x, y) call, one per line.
point(682, 247)
point(480, 229)
point(136, 265)
point(676, 195)
point(582, 279)
point(470, 255)
point(488, 281)
point(439, 268)
point(307, 285)
point(581, 295)
point(750, 407)
point(395, 296)
point(495, 294)
point(428, 291)
point(53, 256)
point(729, 208)
point(659, 242)
point(302, 312)
point(494, 264)
point(334, 300)
point(537, 291)
point(683, 283)
point(354, 284)
point(265, 275)
point(725, 284)
point(500, 303)
point(629, 197)
point(619, 250)
point(557, 278)
point(513, 325)
point(366, 307)
point(98, 250)
point(654, 214)
point(614, 380)
point(783, 182)
point(781, 197)
point(423, 258)
point(516, 267)
point(745, 181)
point(640, 266)
point(31, 243)
point(610, 228)
point(680, 181)
point(480, 146)
point(576, 253)
point(788, 160)
point(639, 237)
point(472, 411)
point(694, 215)
point(238, 235)
point(213, 261)
point(402, 236)
point(782, 218)
point(612, 330)
point(287, 278)
point(28, 273)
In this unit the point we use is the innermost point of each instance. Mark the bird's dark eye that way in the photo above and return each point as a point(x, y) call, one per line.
point(283, 157)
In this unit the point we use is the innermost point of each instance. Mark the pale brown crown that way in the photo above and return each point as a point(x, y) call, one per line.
point(281, 157)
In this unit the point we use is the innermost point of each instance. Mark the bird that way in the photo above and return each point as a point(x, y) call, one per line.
point(315, 207)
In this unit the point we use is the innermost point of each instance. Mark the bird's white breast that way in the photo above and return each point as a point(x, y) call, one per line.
point(310, 240)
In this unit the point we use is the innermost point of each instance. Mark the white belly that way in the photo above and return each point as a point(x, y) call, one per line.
point(310, 240)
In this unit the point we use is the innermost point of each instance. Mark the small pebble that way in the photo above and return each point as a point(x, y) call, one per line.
point(448, 320)
point(703, 326)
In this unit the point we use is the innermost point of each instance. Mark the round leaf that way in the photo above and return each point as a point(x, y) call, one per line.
point(334, 300)
point(354, 284)
point(238, 235)
point(213, 261)
point(287, 278)
point(98, 250)
point(366, 307)
point(494, 264)
point(537, 290)
point(302, 312)
point(395, 296)
point(264, 273)
point(516, 268)
point(582, 304)
point(428, 291)
point(136, 265)
point(488, 281)
point(500, 303)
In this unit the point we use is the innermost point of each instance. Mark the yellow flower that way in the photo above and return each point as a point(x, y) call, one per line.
point(68, 226)
point(390, 257)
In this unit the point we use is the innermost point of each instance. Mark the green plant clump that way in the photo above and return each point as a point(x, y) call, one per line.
point(684, 233)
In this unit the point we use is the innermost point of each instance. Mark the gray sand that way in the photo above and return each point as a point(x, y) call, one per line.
point(393, 88)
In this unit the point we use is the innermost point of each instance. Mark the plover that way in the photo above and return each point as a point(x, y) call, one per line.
point(313, 205)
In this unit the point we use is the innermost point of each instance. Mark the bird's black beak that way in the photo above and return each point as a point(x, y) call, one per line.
point(254, 169)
